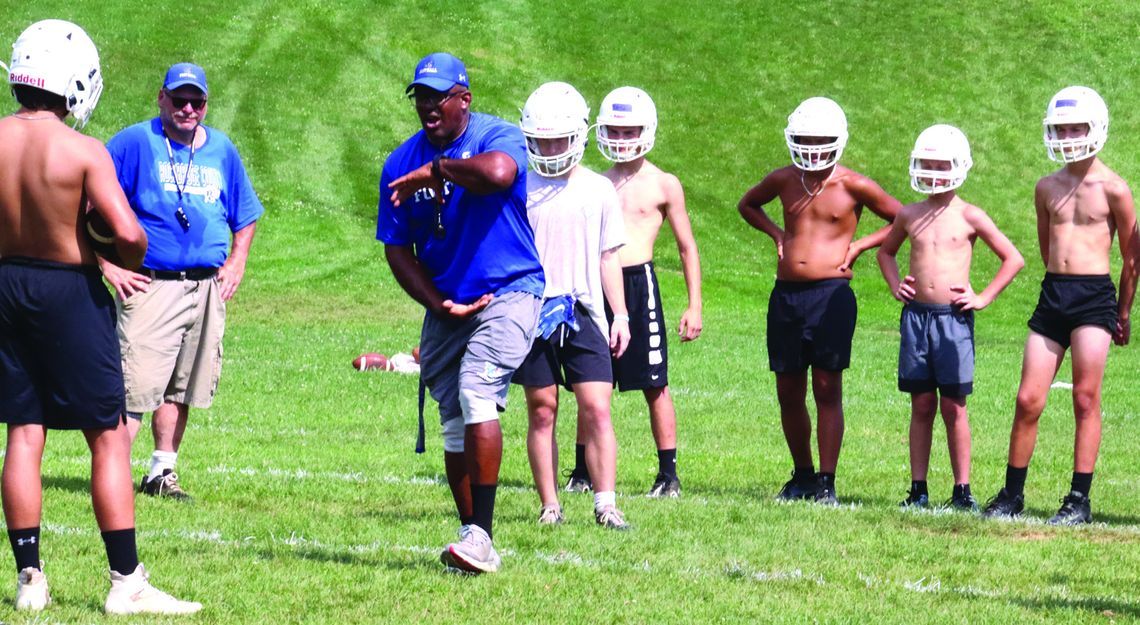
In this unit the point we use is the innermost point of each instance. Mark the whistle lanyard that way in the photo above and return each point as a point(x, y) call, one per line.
point(180, 214)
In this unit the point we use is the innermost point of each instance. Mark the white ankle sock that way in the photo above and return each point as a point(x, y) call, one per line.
point(160, 461)
point(604, 498)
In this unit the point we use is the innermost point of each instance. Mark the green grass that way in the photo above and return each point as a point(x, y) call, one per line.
point(311, 507)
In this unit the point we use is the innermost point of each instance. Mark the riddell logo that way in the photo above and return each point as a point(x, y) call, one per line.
point(24, 79)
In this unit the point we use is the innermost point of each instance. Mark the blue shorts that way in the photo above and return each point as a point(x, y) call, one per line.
point(59, 354)
point(568, 357)
point(810, 324)
point(936, 350)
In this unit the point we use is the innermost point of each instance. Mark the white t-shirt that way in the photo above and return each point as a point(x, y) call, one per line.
point(575, 218)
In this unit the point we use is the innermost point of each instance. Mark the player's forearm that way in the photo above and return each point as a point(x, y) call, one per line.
point(873, 240)
point(1130, 254)
point(613, 287)
point(412, 277)
point(756, 217)
point(242, 242)
point(889, 266)
point(691, 267)
point(1010, 267)
point(482, 174)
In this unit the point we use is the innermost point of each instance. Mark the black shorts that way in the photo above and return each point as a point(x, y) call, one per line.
point(568, 357)
point(645, 363)
point(1067, 302)
point(810, 324)
point(59, 354)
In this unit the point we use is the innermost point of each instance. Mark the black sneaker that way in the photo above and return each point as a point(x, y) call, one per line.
point(578, 484)
point(826, 496)
point(965, 503)
point(914, 500)
point(665, 486)
point(1075, 510)
point(798, 489)
point(165, 485)
point(1004, 505)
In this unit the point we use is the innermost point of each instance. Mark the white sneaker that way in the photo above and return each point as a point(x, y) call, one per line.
point(473, 553)
point(610, 517)
point(31, 590)
point(133, 594)
point(550, 515)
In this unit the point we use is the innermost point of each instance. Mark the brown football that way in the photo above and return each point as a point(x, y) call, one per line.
point(371, 360)
point(100, 235)
point(416, 353)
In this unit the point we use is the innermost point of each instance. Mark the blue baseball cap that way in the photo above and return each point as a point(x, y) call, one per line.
point(182, 74)
point(439, 71)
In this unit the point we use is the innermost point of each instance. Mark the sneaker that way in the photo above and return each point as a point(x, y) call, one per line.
point(796, 489)
point(550, 515)
point(473, 553)
point(133, 594)
point(611, 518)
point(32, 590)
point(965, 503)
point(1075, 510)
point(914, 500)
point(165, 485)
point(665, 486)
point(578, 484)
point(1004, 505)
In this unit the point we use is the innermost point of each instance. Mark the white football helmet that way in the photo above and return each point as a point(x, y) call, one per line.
point(58, 57)
point(945, 143)
point(554, 111)
point(816, 117)
point(626, 107)
point(1075, 105)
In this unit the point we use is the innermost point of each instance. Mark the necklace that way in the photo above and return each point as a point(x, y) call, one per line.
point(803, 183)
point(180, 214)
point(32, 119)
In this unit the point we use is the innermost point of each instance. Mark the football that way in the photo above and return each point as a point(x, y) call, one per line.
point(371, 360)
point(100, 235)
point(416, 353)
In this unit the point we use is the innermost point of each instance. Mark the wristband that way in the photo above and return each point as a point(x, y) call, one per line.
point(435, 171)
point(624, 318)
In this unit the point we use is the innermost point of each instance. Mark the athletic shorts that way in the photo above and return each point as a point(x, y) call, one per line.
point(478, 355)
point(1068, 302)
point(645, 363)
point(568, 357)
point(810, 324)
point(936, 350)
point(59, 356)
point(171, 339)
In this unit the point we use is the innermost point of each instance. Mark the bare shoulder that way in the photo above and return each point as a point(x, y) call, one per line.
point(855, 181)
point(975, 215)
point(1115, 187)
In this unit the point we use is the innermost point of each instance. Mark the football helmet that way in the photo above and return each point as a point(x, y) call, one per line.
point(626, 107)
point(58, 57)
point(940, 142)
point(816, 117)
point(1075, 105)
point(555, 111)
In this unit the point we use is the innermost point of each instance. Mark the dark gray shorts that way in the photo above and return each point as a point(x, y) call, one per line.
point(568, 357)
point(936, 350)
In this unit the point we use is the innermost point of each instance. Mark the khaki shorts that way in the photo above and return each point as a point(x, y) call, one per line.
point(171, 340)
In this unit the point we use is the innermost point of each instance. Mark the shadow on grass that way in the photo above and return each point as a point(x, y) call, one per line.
point(391, 559)
point(73, 484)
point(1104, 607)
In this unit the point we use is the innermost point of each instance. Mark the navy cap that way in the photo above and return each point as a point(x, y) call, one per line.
point(182, 74)
point(439, 71)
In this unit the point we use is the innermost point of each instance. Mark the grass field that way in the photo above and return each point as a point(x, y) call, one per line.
point(311, 506)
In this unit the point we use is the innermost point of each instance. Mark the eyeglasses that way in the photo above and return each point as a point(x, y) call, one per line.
point(432, 99)
point(180, 103)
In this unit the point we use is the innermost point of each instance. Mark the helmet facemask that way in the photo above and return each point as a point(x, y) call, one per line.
point(562, 162)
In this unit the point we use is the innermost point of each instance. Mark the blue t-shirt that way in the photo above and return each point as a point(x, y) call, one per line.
point(217, 196)
point(489, 244)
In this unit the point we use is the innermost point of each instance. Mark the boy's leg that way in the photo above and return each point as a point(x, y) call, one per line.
point(827, 388)
point(957, 437)
point(601, 445)
point(1090, 354)
point(662, 417)
point(112, 495)
point(541, 445)
point(1039, 367)
point(791, 392)
point(923, 407)
point(23, 493)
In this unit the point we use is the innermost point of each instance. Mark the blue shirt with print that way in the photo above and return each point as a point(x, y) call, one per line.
point(488, 245)
point(217, 196)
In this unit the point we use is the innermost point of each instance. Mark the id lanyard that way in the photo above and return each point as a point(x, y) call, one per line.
point(180, 214)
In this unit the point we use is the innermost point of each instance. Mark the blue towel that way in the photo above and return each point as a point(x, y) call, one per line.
point(555, 312)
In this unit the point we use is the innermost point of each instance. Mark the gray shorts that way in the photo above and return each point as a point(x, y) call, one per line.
point(936, 350)
point(467, 364)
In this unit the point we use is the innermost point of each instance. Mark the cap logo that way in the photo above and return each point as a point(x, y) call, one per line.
point(187, 75)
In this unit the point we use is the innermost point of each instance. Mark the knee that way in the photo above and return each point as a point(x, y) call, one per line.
point(453, 434)
point(1029, 405)
point(542, 416)
point(594, 414)
point(1086, 403)
point(828, 394)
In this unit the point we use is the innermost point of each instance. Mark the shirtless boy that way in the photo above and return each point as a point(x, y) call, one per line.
point(59, 354)
point(936, 353)
point(811, 312)
point(1079, 209)
point(627, 125)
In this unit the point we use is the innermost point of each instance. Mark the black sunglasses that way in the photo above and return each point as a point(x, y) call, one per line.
point(180, 103)
point(432, 99)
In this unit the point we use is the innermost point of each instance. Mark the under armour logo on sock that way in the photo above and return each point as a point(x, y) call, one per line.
point(20, 542)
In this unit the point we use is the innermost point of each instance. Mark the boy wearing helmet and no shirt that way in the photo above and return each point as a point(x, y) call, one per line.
point(578, 230)
point(811, 311)
point(627, 125)
point(936, 353)
point(59, 355)
point(1079, 209)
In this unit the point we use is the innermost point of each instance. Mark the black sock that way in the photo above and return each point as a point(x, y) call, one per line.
point(1015, 480)
point(803, 475)
point(667, 462)
point(483, 502)
point(580, 468)
point(827, 480)
point(122, 554)
point(26, 547)
point(466, 520)
point(918, 487)
point(1082, 483)
point(962, 491)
